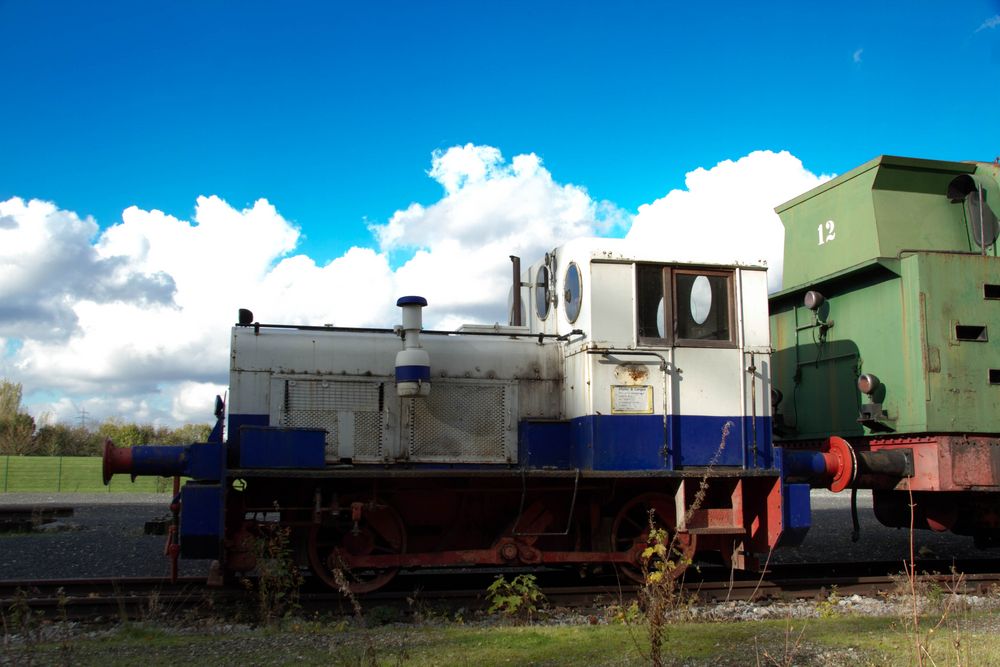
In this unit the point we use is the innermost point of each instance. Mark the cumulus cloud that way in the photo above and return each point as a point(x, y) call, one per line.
point(145, 308)
point(727, 213)
point(48, 264)
point(490, 209)
point(137, 325)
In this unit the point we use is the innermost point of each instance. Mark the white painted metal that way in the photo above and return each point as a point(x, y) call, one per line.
point(496, 381)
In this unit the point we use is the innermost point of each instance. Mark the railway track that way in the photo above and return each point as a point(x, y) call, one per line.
point(138, 597)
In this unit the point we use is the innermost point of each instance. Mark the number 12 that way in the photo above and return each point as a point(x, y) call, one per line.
point(830, 234)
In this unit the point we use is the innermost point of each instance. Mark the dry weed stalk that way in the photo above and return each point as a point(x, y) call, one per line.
point(789, 651)
point(369, 657)
point(662, 559)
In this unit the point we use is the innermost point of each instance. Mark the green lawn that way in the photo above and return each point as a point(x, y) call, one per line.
point(968, 639)
point(68, 474)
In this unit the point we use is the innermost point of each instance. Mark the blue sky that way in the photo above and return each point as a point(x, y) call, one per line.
point(331, 110)
point(324, 127)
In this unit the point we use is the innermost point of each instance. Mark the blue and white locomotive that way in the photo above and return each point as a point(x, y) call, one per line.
point(623, 379)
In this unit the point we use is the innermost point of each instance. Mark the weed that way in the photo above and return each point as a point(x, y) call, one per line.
point(423, 612)
point(629, 614)
point(369, 656)
point(663, 559)
point(790, 649)
point(22, 630)
point(278, 575)
point(935, 594)
point(519, 598)
point(383, 615)
point(830, 607)
point(66, 656)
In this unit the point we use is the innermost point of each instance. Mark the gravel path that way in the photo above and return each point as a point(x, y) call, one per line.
point(829, 538)
point(104, 538)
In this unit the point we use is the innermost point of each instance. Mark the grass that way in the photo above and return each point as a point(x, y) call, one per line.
point(68, 474)
point(843, 640)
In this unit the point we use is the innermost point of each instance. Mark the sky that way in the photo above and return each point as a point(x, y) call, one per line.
point(163, 164)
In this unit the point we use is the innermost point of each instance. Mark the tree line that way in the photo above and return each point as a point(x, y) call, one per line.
point(21, 436)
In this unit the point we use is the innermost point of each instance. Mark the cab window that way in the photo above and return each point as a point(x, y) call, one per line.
point(688, 307)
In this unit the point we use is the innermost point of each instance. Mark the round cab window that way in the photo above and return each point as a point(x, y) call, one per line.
point(573, 294)
point(701, 299)
point(542, 293)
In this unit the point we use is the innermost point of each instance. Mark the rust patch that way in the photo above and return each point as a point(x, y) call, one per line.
point(631, 373)
point(975, 462)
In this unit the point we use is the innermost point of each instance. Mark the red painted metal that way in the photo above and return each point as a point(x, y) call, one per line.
point(115, 460)
point(469, 557)
point(947, 462)
point(240, 555)
point(376, 529)
point(173, 547)
point(631, 528)
point(841, 464)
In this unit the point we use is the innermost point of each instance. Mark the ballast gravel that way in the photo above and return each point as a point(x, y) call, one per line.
point(105, 537)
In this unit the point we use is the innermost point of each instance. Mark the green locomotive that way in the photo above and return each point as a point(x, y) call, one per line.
point(886, 373)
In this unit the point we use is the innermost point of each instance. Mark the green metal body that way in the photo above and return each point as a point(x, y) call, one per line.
point(910, 296)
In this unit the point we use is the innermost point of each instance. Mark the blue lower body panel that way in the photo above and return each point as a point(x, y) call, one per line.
point(698, 440)
point(795, 514)
point(645, 442)
point(620, 442)
point(202, 528)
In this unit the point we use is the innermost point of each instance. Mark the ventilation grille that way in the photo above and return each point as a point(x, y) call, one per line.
point(459, 423)
point(317, 404)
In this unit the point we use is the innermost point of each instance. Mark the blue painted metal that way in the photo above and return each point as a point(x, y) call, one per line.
point(411, 300)
point(202, 528)
point(545, 444)
point(764, 457)
point(413, 373)
point(795, 513)
point(199, 461)
point(636, 442)
point(695, 441)
point(803, 463)
point(265, 447)
point(216, 434)
point(238, 421)
point(619, 442)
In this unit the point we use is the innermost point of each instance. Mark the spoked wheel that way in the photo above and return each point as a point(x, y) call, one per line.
point(379, 532)
point(630, 533)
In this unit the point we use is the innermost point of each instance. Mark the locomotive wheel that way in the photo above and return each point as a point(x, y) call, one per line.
point(380, 531)
point(630, 532)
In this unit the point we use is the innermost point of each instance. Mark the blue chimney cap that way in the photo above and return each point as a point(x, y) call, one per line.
point(411, 301)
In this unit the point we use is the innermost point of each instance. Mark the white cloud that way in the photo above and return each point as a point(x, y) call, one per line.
point(47, 264)
point(990, 23)
point(490, 209)
point(727, 211)
point(192, 401)
point(135, 353)
point(857, 56)
point(138, 326)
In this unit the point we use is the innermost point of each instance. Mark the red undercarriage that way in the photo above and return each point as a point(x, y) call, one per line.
point(374, 528)
point(952, 481)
